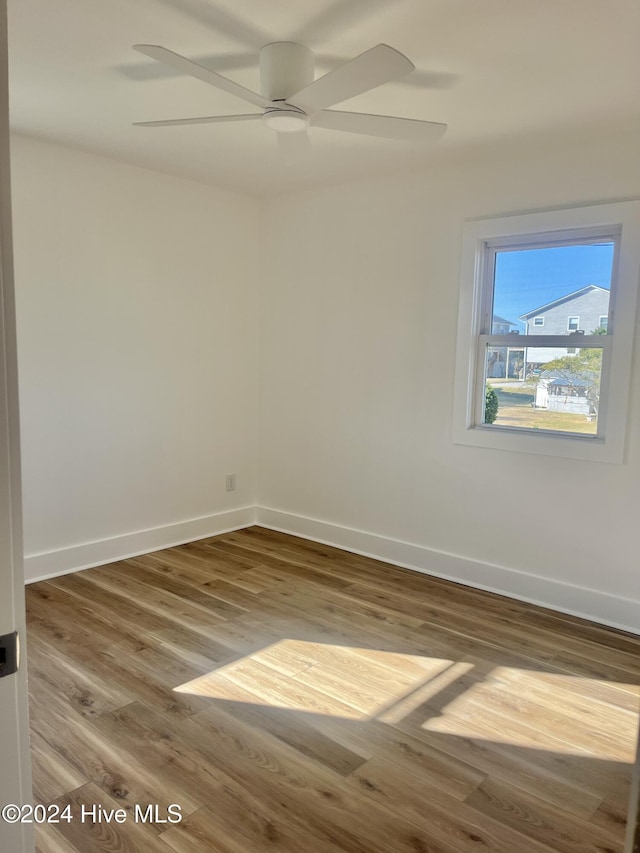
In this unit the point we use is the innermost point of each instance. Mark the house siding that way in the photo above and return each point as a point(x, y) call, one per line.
point(588, 307)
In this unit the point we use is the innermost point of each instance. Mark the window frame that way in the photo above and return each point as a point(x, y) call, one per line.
point(537, 325)
point(481, 240)
point(576, 318)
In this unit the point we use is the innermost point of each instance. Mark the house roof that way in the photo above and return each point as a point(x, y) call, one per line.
point(497, 319)
point(574, 383)
point(568, 298)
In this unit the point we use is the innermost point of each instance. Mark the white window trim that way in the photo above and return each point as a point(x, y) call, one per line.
point(538, 325)
point(569, 319)
point(551, 227)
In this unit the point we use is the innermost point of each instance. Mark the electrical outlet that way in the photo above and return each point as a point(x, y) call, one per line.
point(231, 482)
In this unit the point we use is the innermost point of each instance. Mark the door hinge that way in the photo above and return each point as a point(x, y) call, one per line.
point(9, 654)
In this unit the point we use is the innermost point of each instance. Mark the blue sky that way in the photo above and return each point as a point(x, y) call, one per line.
point(524, 280)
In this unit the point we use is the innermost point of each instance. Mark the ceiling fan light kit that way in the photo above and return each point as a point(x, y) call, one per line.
point(285, 120)
point(291, 99)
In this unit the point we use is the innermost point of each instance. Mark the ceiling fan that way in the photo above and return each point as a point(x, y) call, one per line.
point(291, 99)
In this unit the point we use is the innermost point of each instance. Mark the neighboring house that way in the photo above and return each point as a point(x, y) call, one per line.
point(500, 326)
point(558, 395)
point(504, 362)
point(584, 310)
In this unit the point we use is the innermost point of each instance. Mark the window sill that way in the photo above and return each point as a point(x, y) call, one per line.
point(570, 446)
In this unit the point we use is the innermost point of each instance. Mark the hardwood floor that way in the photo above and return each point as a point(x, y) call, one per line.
point(295, 698)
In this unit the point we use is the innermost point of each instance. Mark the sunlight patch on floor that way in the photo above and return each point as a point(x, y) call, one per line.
point(473, 698)
point(425, 692)
point(542, 710)
point(343, 681)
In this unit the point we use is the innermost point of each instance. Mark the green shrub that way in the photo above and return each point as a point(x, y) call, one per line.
point(490, 405)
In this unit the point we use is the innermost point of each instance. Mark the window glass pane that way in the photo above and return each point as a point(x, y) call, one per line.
point(536, 291)
point(558, 391)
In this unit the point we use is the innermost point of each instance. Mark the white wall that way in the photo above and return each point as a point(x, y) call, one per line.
point(137, 325)
point(138, 334)
point(358, 348)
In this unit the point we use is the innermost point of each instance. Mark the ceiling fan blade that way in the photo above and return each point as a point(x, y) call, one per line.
point(200, 120)
point(372, 68)
point(387, 127)
point(417, 78)
point(219, 62)
point(181, 63)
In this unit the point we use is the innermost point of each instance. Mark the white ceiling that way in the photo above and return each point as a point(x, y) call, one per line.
point(493, 70)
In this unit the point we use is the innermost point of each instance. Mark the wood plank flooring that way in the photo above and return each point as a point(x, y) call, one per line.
point(291, 697)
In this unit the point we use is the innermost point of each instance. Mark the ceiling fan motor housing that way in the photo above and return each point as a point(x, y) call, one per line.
point(285, 68)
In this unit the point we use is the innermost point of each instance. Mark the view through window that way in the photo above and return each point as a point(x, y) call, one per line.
point(561, 293)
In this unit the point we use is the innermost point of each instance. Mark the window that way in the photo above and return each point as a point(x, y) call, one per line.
point(553, 398)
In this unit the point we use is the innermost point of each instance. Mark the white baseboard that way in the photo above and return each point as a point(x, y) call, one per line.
point(50, 564)
point(602, 607)
point(598, 606)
